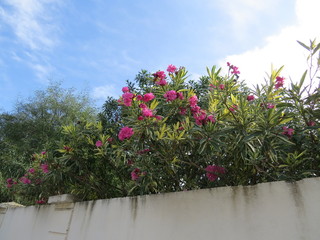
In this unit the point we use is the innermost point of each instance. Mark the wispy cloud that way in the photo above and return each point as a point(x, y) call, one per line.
point(33, 24)
point(102, 92)
point(244, 13)
point(281, 49)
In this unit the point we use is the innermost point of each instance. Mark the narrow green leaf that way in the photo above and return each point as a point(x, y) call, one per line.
point(302, 79)
point(303, 45)
point(316, 49)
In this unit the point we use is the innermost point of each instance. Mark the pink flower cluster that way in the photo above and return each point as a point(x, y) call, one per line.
point(10, 182)
point(99, 143)
point(279, 82)
point(233, 108)
point(25, 180)
point(67, 148)
point(146, 97)
point(214, 171)
point(287, 131)
point(250, 98)
point(267, 105)
point(172, 95)
point(44, 167)
point(41, 201)
point(146, 112)
point(136, 173)
point(127, 98)
point(234, 69)
point(311, 123)
point(171, 68)
point(199, 114)
point(125, 133)
point(160, 77)
point(193, 101)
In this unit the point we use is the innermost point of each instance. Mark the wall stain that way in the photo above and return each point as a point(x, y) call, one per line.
point(134, 207)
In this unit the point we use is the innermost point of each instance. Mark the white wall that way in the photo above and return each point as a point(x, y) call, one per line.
point(277, 210)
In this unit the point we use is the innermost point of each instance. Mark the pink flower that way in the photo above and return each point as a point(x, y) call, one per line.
point(195, 109)
point(270, 105)
point(146, 112)
point(171, 68)
point(193, 100)
point(44, 167)
point(250, 98)
point(148, 97)
point(99, 143)
point(142, 105)
point(211, 118)
point(139, 97)
point(31, 170)
point(180, 95)
point(125, 89)
point(140, 118)
point(287, 131)
point(125, 133)
point(120, 102)
point(213, 172)
point(200, 116)
point(25, 180)
point(221, 86)
point(110, 140)
point(10, 181)
point(67, 148)
point(127, 98)
point(43, 153)
point(41, 201)
point(161, 82)
point(235, 70)
point(311, 123)
point(135, 174)
point(158, 117)
point(160, 75)
point(233, 108)
point(183, 111)
point(279, 82)
point(170, 95)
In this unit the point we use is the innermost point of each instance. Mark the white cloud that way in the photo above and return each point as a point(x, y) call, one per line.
point(42, 72)
point(102, 92)
point(244, 13)
point(31, 22)
point(281, 49)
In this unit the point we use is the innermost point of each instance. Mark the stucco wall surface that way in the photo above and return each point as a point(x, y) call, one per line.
point(277, 210)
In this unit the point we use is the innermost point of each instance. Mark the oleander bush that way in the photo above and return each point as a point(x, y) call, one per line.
point(167, 134)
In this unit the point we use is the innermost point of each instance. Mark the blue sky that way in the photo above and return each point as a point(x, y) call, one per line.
point(96, 45)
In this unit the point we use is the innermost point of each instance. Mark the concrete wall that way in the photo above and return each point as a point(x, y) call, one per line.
point(277, 210)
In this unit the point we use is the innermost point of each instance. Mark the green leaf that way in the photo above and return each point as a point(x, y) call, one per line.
point(302, 79)
point(285, 120)
point(316, 49)
point(303, 45)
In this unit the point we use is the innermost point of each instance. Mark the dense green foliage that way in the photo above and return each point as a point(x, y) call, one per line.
point(166, 133)
point(35, 126)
